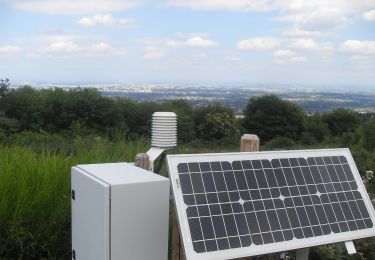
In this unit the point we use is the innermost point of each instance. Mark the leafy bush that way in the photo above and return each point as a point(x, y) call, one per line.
point(280, 143)
point(216, 123)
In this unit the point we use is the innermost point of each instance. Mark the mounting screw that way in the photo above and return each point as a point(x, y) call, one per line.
point(73, 195)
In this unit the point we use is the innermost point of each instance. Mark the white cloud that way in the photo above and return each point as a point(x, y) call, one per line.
point(200, 42)
point(9, 50)
point(310, 44)
point(323, 20)
point(105, 19)
point(72, 7)
point(195, 41)
point(284, 53)
point(319, 19)
point(299, 33)
point(288, 9)
point(298, 59)
point(102, 48)
point(258, 43)
point(73, 48)
point(358, 47)
point(173, 44)
point(233, 5)
point(62, 46)
point(300, 6)
point(151, 52)
point(287, 57)
point(369, 15)
point(86, 21)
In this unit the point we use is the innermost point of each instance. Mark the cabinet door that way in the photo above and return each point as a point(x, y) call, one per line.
point(90, 216)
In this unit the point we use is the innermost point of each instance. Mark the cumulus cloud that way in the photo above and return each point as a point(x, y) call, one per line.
point(199, 42)
point(195, 41)
point(310, 44)
point(173, 44)
point(61, 47)
point(151, 52)
point(233, 5)
point(73, 48)
point(72, 7)
point(9, 50)
point(296, 32)
point(286, 56)
point(369, 15)
point(318, 17)
point(105, 19)
point(358, 47)
point(321, 19)
point(258, 43)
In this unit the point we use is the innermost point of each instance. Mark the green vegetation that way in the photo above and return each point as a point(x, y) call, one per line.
point(270, 117)
point(35, 194)
point(43, 133)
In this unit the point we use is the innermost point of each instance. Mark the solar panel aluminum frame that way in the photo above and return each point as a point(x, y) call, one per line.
point(252, 250)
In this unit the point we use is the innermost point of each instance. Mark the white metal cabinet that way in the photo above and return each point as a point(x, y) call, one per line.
point(119, 212)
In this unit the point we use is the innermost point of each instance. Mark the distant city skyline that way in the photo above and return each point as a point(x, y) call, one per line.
point(316, 43)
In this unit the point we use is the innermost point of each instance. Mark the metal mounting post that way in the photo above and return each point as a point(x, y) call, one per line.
point(302, 254)
point(350, 247)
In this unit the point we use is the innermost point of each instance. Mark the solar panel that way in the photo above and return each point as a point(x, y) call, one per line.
point(243, 204)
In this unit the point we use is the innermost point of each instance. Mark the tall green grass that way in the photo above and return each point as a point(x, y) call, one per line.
point(35, 194)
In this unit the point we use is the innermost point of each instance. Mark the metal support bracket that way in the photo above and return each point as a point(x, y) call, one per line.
point(153, 154)
point(350, 247)
point(302, 254)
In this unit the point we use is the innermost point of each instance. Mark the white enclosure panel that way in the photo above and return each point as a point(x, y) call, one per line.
point(120, 173)
point(139, 220)
point(90, 217)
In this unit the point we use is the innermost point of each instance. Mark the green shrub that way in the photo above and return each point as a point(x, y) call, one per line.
point(280, 143)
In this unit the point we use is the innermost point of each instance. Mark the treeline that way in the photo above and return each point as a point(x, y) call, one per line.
point(36, 124)
point(82, 112)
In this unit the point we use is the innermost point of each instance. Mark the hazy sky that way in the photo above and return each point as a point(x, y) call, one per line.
point(209, 41)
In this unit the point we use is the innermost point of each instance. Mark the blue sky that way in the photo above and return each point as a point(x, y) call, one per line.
point(316, 42)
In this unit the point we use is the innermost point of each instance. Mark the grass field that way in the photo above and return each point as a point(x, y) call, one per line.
point(35, 195)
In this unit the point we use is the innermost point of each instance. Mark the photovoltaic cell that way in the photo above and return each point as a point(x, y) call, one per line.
point(236, 204)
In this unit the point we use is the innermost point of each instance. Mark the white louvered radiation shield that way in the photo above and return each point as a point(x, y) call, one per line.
point(164, 130)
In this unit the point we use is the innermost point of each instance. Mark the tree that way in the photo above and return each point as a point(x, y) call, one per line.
point(369, 135)
point(215, 122)
point(4, 87)
point(9, 126)
point(316, 128)
point(24, 104)
point(341, 121)
point(269, 117)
